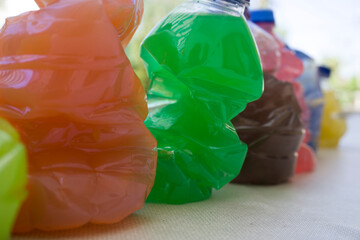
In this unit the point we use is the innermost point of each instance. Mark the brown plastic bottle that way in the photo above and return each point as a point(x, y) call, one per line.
point(273, 131)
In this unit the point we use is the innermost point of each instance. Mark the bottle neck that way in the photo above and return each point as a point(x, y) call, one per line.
point(268, 27)
point(231, 7)
point(325, 84)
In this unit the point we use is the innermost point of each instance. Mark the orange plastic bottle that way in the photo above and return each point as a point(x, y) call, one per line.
point(69, 89)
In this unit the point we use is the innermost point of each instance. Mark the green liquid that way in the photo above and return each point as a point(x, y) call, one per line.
point(204, 69)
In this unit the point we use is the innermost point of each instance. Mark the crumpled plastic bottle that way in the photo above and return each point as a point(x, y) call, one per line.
point(68, 87)
point(204, 68)
point(290, 69)
point(13, 179)
point(313, 96)
point(268, 47)
point(270, 126)
point(125, 15)
point(273, 130)
point(333, 125)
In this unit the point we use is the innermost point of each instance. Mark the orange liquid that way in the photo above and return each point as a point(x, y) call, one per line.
point(125, 15)
point(68, 87)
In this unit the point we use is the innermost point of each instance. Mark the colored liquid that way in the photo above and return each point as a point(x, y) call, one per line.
point(291, 67)
point(12, 177)
point(204, 69)
point(125, 15)
point(68, 87)
point(272, 128)
point(269, 49)
point(305, 162)
point(333, 127)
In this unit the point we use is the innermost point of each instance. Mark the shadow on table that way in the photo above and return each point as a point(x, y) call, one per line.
point(93, 230)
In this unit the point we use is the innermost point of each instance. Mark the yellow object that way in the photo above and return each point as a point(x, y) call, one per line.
point(333, 126)
point(13, 177)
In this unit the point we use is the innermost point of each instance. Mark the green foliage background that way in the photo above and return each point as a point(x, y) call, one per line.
point(346, 90)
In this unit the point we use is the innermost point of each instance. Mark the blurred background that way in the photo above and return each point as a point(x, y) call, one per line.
point(327, 30)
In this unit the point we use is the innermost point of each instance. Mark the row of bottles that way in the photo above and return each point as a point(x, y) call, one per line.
point(228, 101)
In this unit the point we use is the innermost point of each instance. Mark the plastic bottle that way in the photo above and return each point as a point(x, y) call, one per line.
point(13, 179)
point(333, 125)
point(313, 96)
point(69, 89)
point(204, 68)
point(273, 130)
point(125, 15)
point(291, 67)
point(270, 126)
point(269, 50)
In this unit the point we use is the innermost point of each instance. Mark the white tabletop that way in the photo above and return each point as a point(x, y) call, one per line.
point(321, 205)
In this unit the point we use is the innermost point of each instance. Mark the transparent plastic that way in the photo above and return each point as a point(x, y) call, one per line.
point(271, 126)
point(69, 89)
point(204, 68)
point(313, 96)
point(125, 15)
point(291, 68)
point(273, 130)
point(268, 47)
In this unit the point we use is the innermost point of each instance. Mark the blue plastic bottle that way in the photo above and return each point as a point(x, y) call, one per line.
point(313, 95)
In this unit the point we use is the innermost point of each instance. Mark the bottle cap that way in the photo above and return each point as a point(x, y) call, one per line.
point(263, 15)
point(324, 71)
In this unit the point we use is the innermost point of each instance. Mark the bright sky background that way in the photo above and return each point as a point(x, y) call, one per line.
point(322, 28)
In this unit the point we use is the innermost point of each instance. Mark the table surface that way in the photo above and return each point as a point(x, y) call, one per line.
point(324, 204)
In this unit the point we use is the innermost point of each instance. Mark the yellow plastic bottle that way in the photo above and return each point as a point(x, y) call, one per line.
point(333, 125)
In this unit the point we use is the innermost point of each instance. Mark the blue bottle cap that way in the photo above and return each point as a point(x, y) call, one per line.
point(262, 15)
point(324, 71)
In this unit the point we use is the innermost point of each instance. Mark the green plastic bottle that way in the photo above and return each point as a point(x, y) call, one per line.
point(13, 177)
point(204, 69)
